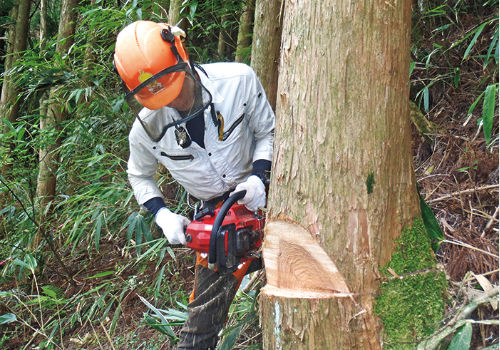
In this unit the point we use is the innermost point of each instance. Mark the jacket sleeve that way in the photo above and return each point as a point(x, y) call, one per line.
point(261, 117)
point(141, 168)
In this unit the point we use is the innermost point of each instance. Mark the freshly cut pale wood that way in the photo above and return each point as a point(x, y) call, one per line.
point(297, 266)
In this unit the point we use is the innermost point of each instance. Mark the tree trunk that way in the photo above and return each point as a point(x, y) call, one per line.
point(245, 31)
point(43, 23)
point(266, 45)
point(174, 14)
point(9, 105)
point(55, 114)
point(343, 186)
point(224, 37)
point(11, 36)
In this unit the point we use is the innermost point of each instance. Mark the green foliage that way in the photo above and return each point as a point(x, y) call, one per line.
point(7, 318)
point(163, 320)
point(94, 203)
point(243, 317)
point(457, 27)
point(488, 110)
point(432, 227)
point(461, 340)
point(206, 21)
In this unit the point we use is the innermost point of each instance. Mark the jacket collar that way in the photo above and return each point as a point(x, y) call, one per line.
point(205, 80)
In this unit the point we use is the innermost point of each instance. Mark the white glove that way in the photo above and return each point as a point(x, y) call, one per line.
point(173, 225)
point(256, 193)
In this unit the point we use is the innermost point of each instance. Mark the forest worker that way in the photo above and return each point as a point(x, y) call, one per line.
point(212, 127)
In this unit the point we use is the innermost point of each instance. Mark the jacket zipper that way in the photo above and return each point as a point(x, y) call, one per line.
point(182, 157)
point(231, 129)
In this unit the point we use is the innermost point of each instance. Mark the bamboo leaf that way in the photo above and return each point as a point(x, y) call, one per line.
point(493, 44)
point(138, 234)
point(489, 111)
point(131, 225)
point(461, 341)
point(115, 319)
point(101, 274)
point(159, 279)
point(412, 67)
point(7, 318)
point(52, 291)
point(426, 99)
point(31, 261)
point(171, 253)
point(97, 235)
point(230, 339)
point(21, 263)
point(474, 39)
point(164, 323)
point(474, 104)
point(431, 225)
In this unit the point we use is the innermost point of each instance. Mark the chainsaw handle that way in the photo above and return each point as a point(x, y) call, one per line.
point(212, 248)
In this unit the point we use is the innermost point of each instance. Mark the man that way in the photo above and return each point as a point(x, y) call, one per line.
point(212, 127)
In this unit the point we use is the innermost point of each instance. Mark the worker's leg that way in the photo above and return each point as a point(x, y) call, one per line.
point(213, 293)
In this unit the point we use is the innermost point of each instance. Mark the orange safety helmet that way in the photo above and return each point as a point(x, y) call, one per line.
point(144, 49)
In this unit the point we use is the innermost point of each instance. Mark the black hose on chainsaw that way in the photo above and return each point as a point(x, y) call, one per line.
point(212, 248)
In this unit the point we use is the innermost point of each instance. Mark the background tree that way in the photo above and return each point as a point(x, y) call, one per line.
point(18, 39)
point(243, 46)
point(174, 14)
point(343, 180)
point(266, 45)
point(56, 114)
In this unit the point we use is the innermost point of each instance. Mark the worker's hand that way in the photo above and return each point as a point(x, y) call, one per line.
point(173, 225)
point(256, 193)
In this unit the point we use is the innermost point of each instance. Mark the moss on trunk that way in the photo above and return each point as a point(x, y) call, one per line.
point(412, 298)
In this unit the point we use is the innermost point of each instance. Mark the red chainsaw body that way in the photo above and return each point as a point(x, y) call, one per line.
point(198, 231)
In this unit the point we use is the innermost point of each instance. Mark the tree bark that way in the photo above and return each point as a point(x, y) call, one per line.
point(11, 36)
point(245, 31)
point(174, 15)
point(55, 114)
point(9, 105)
point(266, 45)
point(43, 23)
point(342, 172)
point(224, 37)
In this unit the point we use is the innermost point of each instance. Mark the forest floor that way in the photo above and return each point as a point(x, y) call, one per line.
point(458, 177)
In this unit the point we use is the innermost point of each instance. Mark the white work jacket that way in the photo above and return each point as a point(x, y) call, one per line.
point(206, 173)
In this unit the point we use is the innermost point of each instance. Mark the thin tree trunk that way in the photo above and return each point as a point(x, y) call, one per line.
point(245, 31)
point(11, 36)
point(343, 186)
point(43, 23)
point(266, 45)
point(224, 37)
point(55, 114)
point(9, 105)
point(174, 14)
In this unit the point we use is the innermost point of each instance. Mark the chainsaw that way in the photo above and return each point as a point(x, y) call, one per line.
point(228, 234)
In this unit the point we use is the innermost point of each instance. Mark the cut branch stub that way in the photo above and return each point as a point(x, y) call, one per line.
point(297, 266)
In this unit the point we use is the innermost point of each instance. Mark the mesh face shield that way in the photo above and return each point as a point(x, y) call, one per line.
point(190, 103)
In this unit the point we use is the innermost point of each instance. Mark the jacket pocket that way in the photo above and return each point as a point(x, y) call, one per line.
point(229, 131)
point(178, 157)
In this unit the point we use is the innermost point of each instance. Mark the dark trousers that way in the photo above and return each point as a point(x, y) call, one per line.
point(209, 304)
